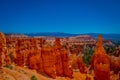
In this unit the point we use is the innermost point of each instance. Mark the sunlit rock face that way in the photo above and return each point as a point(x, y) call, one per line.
point(67, 69)
point(77, 63)
point(42, 58)
point(73, 61)
point(2, 49)
point(36, 62)
point(100, 62)
point(48, 58)
point(76, 60)
point(58, 61)
point(34, 59)
point(62, 60)
point(57, 44)
point(22, 49)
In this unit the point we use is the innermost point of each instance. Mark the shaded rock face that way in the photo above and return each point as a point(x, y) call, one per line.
point(100, 62)
point(118, 52)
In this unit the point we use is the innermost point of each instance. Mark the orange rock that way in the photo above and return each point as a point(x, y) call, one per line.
point(88, 78)
point(73, 61)
point(48, 58)
point(19, 55)
point(57, 45)
point(0, 57)
point(36, 62)
point(33, 62)
point(2, 49)
point(58, 63)
point(115, 64)
point(43, 58)
point(81, 65)
point(62, 60)
point(100, 62)
point(67, 69)
point(58, 57)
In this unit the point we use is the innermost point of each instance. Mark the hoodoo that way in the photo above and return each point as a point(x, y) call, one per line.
point(100, 62)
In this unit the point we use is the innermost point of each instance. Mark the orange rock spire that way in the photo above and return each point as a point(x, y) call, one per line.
point(99, 49)
point(100, 62)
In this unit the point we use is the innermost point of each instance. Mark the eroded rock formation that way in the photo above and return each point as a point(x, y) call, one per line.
point(81, 64)
point(54, 60)
point(58, 62)
point(48, 58)
point(67, 69)
point(2, 49)
point(63, 67)
point(115, 64)
point(100, 62)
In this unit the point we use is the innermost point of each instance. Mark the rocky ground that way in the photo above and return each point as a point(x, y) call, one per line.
point(18, 73)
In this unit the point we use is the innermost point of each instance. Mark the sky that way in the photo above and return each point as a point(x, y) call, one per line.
point(69, 16)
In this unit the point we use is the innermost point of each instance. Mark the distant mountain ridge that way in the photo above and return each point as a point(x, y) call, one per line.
point(55, 34)
point(61, 34)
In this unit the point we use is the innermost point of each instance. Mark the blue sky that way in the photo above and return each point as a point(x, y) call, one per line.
point(70, 16)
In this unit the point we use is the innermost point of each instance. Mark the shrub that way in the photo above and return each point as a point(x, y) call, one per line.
point(87, 56)
point(8, 66)
point(33, 78)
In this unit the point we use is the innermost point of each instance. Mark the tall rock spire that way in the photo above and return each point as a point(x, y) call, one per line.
point(100, 62)
point(99, 49)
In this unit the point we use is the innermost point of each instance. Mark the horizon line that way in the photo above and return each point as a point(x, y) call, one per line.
point(55, 32)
